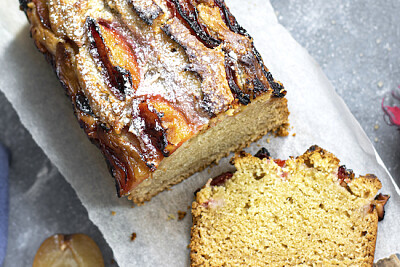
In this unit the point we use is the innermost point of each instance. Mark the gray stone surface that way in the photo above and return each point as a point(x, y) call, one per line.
point(356, 43)
point(42, 203)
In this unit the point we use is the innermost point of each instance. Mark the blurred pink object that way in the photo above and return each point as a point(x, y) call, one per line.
point(393, 112)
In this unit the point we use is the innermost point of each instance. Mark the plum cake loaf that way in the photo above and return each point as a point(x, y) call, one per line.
point(303, 211)
point(162, 87)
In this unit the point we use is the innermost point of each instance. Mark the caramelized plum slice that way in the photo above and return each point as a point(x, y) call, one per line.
point(229, 19)
point(231, 76)
point(65, 68)
point(379, 202)
point(175, 123)
point(124, 158)
point(277, 88)
point(68, 250)
point(153, 128)
point(118, 169)
point(118, 79)
point(188, 14)
point(43, 12)
point(121, 52)
point(82, 103)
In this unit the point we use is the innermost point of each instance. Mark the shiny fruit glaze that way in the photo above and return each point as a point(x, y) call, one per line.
point(121, 52)
point(178, 128)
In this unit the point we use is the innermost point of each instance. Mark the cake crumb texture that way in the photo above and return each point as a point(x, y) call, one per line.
point(286, 213)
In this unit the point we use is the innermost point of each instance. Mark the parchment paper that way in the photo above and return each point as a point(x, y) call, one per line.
point(318, 116)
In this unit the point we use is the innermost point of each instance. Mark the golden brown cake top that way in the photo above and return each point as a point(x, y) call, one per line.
point(146, 75)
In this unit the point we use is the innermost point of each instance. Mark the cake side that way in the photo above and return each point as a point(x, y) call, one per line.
point(303, 211)
point(144, 77)
point(248, 124)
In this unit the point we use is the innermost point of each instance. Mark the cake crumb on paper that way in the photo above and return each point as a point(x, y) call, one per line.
point(376, 139)
point(181, 215)
point(140, 204)
point(380, 84)
point(294, 134)
point(376, 127)
point(171, 217)
point(113, 213)
point(133, 236)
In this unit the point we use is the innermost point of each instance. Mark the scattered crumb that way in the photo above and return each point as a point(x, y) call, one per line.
point(113, 213)
point(171, 217)
point(376, 127)
point(189, 207)
point(209, 170)
point(282, 131)
point(380, 84)
point(333, 22)
point(133, 236)
point(169, 189)
point(181, 215)
point(258, 145)
point(268, 140)
point(294, 134)
point(112, 261)
point(376, 139)
point(378, 41)
point(132, 206)
point(361, 54)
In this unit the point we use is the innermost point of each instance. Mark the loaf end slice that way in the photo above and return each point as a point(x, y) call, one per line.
point(307, 210)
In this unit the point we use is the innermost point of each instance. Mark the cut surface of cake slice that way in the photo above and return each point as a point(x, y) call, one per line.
point(306, 211)
point(163, 87)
